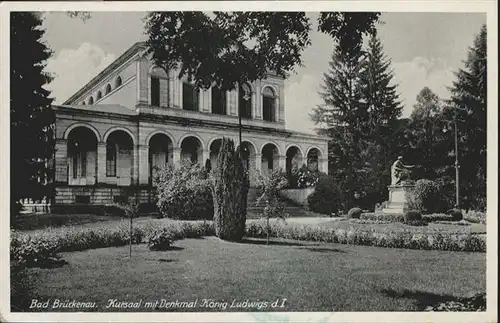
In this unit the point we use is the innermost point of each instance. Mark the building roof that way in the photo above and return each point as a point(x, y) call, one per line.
point(133, 50)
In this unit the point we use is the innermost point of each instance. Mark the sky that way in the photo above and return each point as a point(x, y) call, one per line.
point(425, 49)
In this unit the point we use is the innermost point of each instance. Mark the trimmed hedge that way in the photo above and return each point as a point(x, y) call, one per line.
point(34, 249)
point(434, 240)
point(400, 217)
point(354, 213)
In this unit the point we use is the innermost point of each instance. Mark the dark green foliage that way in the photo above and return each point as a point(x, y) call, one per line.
point(354, 213)
point(456, 214)
point(413, 217)
point(306, 177)
point(359, 113)
point(184, 192)
point(224, 60)
point(426, 144)
point(469, 92)
point(425, 196)
point(31, 116)
point(326, 198)
point(230, 189)
point(160, 239)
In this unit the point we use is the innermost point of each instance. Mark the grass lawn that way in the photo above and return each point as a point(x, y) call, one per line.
point(311, 276)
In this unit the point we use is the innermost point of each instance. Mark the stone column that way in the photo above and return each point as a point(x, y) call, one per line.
point(205, 155)
point(134, 180)
point(143, 164)
point(101, 162)
point(177, 156)
point(282, 162)
point(61, 161)
point(323, 164)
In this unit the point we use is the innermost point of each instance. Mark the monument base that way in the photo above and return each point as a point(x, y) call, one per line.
point(398, 204)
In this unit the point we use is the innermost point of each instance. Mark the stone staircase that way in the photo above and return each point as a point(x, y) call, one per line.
point(254, 211)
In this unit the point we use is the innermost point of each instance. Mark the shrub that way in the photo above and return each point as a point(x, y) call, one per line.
point(475, 216)
point(413, 217)
point(184, 193)
point(358, 236)
point(160, 239)
point(32, 252)
point(456, 214)
point(326, 198)
point(269, 190)
point(425, 196)
point(354, 213)
point(230, 189)
point(307, 178)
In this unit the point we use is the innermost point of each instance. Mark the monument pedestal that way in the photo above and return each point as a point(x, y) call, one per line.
point(398, 203)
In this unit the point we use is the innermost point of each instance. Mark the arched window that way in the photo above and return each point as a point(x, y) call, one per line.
point(268, 104)
point(91, 100)
point(108, 88)
point(118, 82)
point(190, 97)
point(99, 95)
point(83, 103)
point(245, 101)
point(218, 101)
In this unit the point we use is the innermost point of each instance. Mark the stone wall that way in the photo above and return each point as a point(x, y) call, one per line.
point(298, 195)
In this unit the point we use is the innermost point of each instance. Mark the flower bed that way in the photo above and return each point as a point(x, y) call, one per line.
point(433, 240)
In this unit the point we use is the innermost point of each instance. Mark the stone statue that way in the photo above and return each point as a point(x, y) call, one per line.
point(397, 170)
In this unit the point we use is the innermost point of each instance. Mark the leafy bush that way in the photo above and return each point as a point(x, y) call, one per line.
point(326, 198)
point(446, 187)
point(456, 214)
point(424, 196)
point(307, 178)
point(380, 206)
point(357, 236)
point(354, 213)
point(184, 193)
point(413, 217)
point(32, 252)
point(230, 186)
point(475, 216)
point(160, 239)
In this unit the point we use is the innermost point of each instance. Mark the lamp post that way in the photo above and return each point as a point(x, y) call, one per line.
point(457, 164)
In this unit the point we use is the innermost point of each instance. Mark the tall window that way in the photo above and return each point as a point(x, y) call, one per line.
point(79, 164)
point(91, 100)
point(190, 97)
point(245, 101)
point(118, 82)
point(218, 101)
point(99, 95)
point(108, 88)
point(111, 159)
point(155, 91)
point(268, 104)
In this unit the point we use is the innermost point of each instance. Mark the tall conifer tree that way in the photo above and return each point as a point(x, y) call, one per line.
point(30, 112)
point(469, 92)
point(343, 116)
